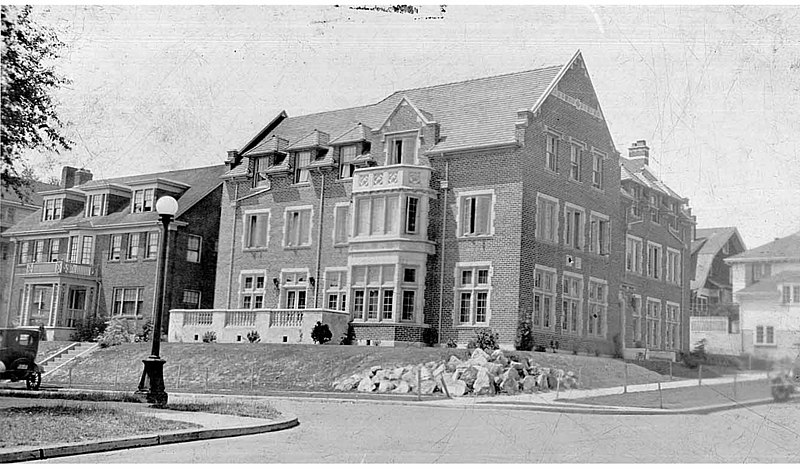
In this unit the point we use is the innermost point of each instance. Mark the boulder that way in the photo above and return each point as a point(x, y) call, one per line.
point(497, 356)
point(552, 382)
point(402, 388)
point(366, 385)
point(348, 383)
point(484, 384)
point(427, 386)
point(453, 363)
point(455, 387)
point(517, 366)
point(529, 384)
point(426, 373)
point(510, 385)
point(495, 369)
point(375, 369)
point(382, 374)
point(396, 373)
point(469, 376)
point(439, 371)
point(479, 356)
point(541, 382)
point(386, 385)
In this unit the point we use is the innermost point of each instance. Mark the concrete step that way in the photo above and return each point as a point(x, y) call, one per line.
point(54, 362)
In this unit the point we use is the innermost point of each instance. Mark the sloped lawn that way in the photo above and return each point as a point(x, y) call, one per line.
point(294, 367)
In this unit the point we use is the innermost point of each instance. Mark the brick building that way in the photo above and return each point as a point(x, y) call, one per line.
point(658, 228)
point(482, 203)
point(92, 248)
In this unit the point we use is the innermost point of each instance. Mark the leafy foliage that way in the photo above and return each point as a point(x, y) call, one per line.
point(321, 333)
point(210, 337)
point(88, 329)
point(349, 337)
point(697, 356)
point(146, 334)
point(485, 339)
point(525, 336)
point(430, 336)
point(117, 332)
point(29, 118)
point(253, 337)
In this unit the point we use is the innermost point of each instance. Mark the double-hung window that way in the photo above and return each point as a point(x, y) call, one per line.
point(115, 252)
point(151, 251)
point(132, 251)
point(653, 260)
point(301, 162)
point(410, 285)
point(544, 297)
point(765, 335)
point(476, 214)
point(633, 254)
point(547, 218)
point(599, 233)
point(473, 286)
point(24, 252)
point(252, 290)
point(341, 223)
point(672, 326)
point(143, 200)
point(55, 245)
point(595, 320)
point(96, 205)
point(572, 303)
point(38, 250)
point(53, 209)
point(654, 204)
point(551, 152)
point(402, 149)
point(347, 154)
point(373, 288)
point(297, 231)
point(576, 162)
point(191, 299)
point(87, 249)
point(597, 170)
point(654, 323)
point(73, 254)
point(336, 289)
point(260, 166)
point(636, 315)
point(127, 301)
point(193, 248)
point(256, 229)
point(673, 266)
point(574, 218)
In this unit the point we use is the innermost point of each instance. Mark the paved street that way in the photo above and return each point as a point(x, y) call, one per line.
point(343, 432)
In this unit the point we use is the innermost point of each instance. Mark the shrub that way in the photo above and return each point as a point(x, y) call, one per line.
point(349, 337)
point(321, 333)
point(42, 333)
point(525, 336)
point(486, 339)
point(88, 329)
point(617, 346)
point(210, 337)
point(253, 337)
point(116, 333)
point(146, 333)
point(539, 348)
point(430, 337)
point(451, 343)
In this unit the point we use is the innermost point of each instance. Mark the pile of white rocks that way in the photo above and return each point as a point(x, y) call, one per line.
point(481, 374)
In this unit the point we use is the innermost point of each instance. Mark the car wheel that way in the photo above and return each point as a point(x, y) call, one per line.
point(34, 380)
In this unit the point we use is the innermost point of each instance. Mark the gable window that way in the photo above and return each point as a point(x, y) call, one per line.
point(298, 227)
point(633, 254)
point(256, 229)
point(402, 149)
point(551, 153)
point(53, 209)
point(653, 260)
point(347, 154)
point(412, 214)
point(96, 205)
point(472, 294)
point(191, 299)
point(294, 289)
point(599, 233)
point(55, 244)
point(128, 301)
point(377, 215)
point(193, 245)
point(760, 270)
point(574, 229)
point(575, 162)
point(765, 335)
point(116, 248)
point(341, 215)
point(301, 162)
point(595, 320)
point(547, 218)
point(544, 297)
point(252, 291)
point(143, 200)
point(336, 289)
point(132, 251)
point(572, 304)
point(87, 250)
point(476, 214)
point(152, 245)
point(597, 171)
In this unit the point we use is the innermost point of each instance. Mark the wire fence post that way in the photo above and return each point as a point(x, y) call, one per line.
point(625, 385)
point(660, 395)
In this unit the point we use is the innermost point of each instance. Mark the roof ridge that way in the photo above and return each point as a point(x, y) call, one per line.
point(145, 176)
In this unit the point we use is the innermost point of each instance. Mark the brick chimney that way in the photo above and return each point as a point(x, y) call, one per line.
point(639, 149)
point(233, 159)
point(82, 176)
point(68, 177)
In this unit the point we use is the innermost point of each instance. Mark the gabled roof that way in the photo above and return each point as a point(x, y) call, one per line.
point(769, 285)
point(635, 170)
point(314, 139)
point(427, 117)
point(786, 248)
point(707, 244)
point(358, 133)
point(270, 145)
point(201, 182)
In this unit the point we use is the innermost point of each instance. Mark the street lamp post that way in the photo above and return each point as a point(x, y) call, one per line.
point(152, 381)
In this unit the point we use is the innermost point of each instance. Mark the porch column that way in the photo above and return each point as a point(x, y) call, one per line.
point(26, 305)
point(51, 321)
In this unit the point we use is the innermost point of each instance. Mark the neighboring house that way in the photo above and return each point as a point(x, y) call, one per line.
point(766, 285)
point(438, 210)
point(14, 207)
point(658, 227)
point(92, 248)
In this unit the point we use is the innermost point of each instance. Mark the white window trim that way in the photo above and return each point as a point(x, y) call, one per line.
point(462, 194)
point(640, 315)
point(283, 288)
point(639, 268)
point(549, 198)
point(552, 293)
point(457, 294)
point(348, 226)
point(344, 287)
point(660, 261)
point(252, 291)
point(607, 219)
point(199, 297)
point(310, 209)
point(764, 343)
point(604, 303)
point(568, 206)
point(389, 136)
point(581, 298)
point(603, 157)
point(246, 228)
point(671, 278)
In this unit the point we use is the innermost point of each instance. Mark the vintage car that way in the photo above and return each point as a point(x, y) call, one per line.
point(18, 348)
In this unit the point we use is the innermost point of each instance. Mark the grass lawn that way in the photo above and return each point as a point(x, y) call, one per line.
point(72, 423)
point(252, 368)
point(259, 410)
point(683, 398)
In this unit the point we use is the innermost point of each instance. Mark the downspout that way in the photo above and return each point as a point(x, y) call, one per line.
point(442, 254)
point(233, 244)
point(319, 238)
point(11, 284)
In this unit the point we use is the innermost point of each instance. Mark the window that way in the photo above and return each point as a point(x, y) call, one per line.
point(143, 200)
point(38, 250)
point(132, 251)
point(260, 167)
point(191, 299)
point(336, 289)
point(547, 218)
point(115, 251)
point(347, 154)
point(653, 324)
point(633, 254)
point(377, 215)
point(636, 315)
point(252, 291)
point(256, 229)
point(409, 300)
point(551, 152)
point(575, 162)
point(409, 275)
point(635, 211)
point(341, 215)
point(472, 295)
point(791, 294)
point(599, 233)
point(24, 253)
point(193, 247)
point(574, 229)
point(55, 245)
point(152, 245)
point(87, 250)
point(402, 149)
point(673, 266)
point(597, 171)
point(653, 260)
point(128, 301)
point(298, 227)
point(595, 320)
point(373, 287)
point(412, 214)
point(760, 270)
point(301, 162)
point(73, 249)
point(476, 214)
point(294, 289)
point(544, 297)
point(672, 327)
point(53, 209)
point(572, 302)
point(765, 335)
point(654, 209)
point(96, 205)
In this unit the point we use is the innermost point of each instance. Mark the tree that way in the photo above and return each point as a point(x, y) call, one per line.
point(28, 119)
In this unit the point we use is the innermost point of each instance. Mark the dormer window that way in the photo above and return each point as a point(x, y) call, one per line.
point(53, 208)
point(143, 200)
point(301, 162)
point(347, 154)
point(96, 205)
point(261, 165)
point(402, 149)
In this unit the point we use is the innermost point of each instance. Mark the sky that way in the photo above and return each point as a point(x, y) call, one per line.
point(714, 90)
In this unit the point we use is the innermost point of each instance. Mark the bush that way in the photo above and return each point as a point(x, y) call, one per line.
point(486, 339)
point(253, 337)
point(349, 337)
point(321, 333)
point(617, 346)
point(697, 356)
point(42, 333)
point(146, 334)
point(209, 337)
point(451, 343)
point(539, 348)
point(430, 336)
point(116, 333)
point(88, 329)
point(525, 336)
